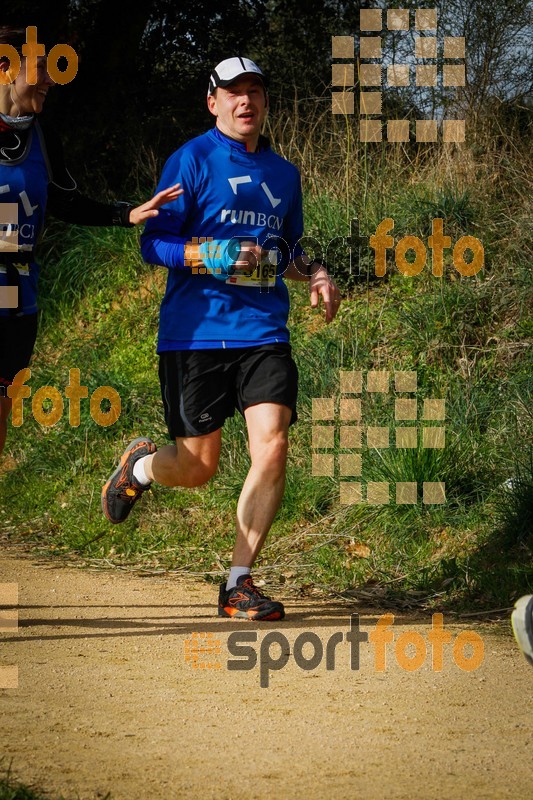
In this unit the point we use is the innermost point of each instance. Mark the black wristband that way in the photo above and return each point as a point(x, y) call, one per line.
point(309, 270)
point(121, 214)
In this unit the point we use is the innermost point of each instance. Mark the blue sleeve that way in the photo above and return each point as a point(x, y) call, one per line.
point(162, 242)
point(293, 224)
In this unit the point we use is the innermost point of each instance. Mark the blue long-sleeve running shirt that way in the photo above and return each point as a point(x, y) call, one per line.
point(229, 192)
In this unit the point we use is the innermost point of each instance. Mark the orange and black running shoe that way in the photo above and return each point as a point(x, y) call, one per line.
point(246, 601)
point(122, 491)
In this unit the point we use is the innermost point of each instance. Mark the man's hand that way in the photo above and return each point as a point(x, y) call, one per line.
point(224, 257)
point(321, 284)
point(150, 209)
point(250, 256)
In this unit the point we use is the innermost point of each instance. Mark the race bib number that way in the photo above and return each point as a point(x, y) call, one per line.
point(263, 276)
point(23, 269)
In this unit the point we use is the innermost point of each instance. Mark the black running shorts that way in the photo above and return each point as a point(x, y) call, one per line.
point(17, 339)
point(202, 388)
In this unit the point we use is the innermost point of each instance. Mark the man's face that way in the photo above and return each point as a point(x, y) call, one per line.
point(240, 108)
point(27, 98)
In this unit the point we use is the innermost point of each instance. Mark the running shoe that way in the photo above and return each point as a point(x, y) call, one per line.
point(122, 491)
point(246, 601)
point(522, 622)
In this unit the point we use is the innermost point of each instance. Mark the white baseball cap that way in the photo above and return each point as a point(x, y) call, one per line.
point(232, 68)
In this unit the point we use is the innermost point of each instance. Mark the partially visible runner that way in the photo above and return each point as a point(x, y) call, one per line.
point(522, 622)
point(33, 176)
point(223, 338)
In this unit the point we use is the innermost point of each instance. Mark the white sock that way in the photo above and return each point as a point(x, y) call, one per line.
point(138, 472)
point(234, 573)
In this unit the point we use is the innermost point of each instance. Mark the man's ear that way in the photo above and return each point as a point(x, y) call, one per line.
point(211, 104)
point(5, 67)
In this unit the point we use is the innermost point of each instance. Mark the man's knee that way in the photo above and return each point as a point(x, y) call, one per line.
point(197, 474)
point(272, 455)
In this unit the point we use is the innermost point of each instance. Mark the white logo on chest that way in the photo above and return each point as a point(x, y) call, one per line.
point(236, 182)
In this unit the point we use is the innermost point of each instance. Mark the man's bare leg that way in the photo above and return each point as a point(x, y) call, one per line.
point(5, 410)
point(262, 492)
point(261, 495)
point(192, 461)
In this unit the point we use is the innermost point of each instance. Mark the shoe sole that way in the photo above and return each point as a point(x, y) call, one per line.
point(123, 459)
point(251, 616)
point(522, 622)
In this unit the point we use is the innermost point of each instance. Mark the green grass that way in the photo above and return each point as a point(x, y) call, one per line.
point(468, 339)
point(16, 791)
point(11, 789)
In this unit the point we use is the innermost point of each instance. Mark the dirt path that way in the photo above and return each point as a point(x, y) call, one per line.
point(108, 702)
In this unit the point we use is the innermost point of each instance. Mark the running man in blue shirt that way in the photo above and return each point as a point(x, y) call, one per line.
point(229, 242)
